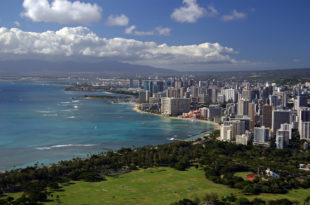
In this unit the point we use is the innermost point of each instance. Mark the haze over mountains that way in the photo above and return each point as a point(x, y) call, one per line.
point(22, 67)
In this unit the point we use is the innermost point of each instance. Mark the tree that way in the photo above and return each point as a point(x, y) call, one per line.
point(243, 201)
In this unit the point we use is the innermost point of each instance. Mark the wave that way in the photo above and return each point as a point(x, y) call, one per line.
point(76, 107)
point(45, 111)
point(75, 101)
point(65, 102)
point(71, 117)
point(51, 115)
point(67, 110)
point(64, 146)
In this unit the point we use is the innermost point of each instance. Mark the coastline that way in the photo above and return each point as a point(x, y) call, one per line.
point(215, 125)
point(136, 109)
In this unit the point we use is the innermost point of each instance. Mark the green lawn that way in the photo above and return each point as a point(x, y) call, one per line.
point(151, 186)
point(154, 186)
point(243, 175)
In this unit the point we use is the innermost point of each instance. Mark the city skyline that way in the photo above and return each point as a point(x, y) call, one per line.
point(182, 35)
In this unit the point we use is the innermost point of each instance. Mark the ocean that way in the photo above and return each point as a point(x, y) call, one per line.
point(42, 123)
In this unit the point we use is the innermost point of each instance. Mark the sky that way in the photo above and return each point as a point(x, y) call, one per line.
point(175, 34)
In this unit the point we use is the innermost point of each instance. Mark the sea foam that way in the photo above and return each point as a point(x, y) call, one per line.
point(64, 146)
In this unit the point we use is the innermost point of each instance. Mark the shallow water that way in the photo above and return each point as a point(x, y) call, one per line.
point(43, 123)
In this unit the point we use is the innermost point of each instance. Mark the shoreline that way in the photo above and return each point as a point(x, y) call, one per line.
point(136, 109)
point(215, 125)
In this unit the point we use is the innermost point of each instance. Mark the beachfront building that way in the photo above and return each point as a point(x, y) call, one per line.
point(214, 113)
point(174, 106)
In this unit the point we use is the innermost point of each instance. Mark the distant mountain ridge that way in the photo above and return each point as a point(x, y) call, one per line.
point(36, 66)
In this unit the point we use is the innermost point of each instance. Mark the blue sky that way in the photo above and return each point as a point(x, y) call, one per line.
point(196, 34)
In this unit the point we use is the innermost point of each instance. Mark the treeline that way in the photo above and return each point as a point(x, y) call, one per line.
point(213, 199)
point(223, 160)
point(36, 181)
point(220, 160)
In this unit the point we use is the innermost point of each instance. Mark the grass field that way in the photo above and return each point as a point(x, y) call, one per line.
point(154, 186)
point(151, 186)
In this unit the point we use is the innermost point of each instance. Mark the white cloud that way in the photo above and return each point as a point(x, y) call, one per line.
point(163, 31)
point(157, 31)
point(117, 20)
point(190, 12)
point(212, 12)
point(61, 11)
point(143, 33)
point(130, 29)
point(76, 42)
point(16, 23)
point(235, 15)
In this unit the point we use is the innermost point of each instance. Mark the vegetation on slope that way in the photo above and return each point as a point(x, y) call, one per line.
point(220, 161)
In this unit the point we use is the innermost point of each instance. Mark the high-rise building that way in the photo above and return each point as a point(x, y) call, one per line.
point(284, 99)
point(148, 85)
point(267, 115)
point(244, 139)
point(243, 107)
point(246, 94)
point(226, 133)
point(304, 120)
point(280, 141)
point(195, 91)
point(246, 120)
point(284, 134)
point(254, 94)
point(230, 95)
point(305, 131)
point(252, 112)
point(142, 97)
point(173, 92)
point(304, 115)
point(174, 106)
point(231, 109)
point(279, 117)
point(238, 128)
point(131, 83)
point(220, 98)
point(203, 99)
point(182, 92)
point(140, 83)
point(286, 130)
point(147, 96)
point(214, 111)
point(213, 96)
point(273, 100)
point(160, 86)
point(302, 101)
point(204, 113)
point(261, 135)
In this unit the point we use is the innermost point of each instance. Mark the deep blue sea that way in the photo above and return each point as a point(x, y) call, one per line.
point(40, 122)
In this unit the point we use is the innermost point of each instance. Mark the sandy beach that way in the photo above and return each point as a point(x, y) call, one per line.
point(136, 108)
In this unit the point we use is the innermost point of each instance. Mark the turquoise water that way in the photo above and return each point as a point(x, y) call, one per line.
point(43, 123)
